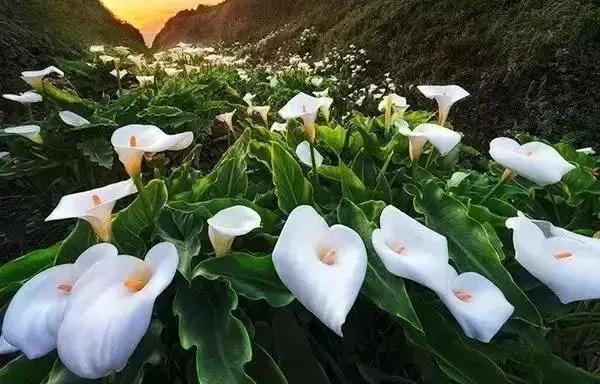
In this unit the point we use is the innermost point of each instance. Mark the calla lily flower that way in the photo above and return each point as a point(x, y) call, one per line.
point(94, 206)
point(97, 48)
point(192, 68)
point(249, 99)
point(31, 132)
point(227, 118)
point(303, 153)
point(324, 267)
point(172, 71)
point(110, 310)
point(305, 107)
point(28, 97)
point(279, 127)
point(393, 101)
point(122, 50)
point(476, 303)
point(107, 59)
point(411, 250)
point(535, 161)
point(445, 95)
point(562, 260)
point(325, 109)
point(34, 78)
point(587, 151)
point(145, 80)
point(6, 347)
point(323, 93)
point(443, 139)
point(4, 154)
point(36, 311)
point(120, 74)
point(262, 111)
point(132, 141)
point(138, 60)
point(235, 221)
point(73, 119)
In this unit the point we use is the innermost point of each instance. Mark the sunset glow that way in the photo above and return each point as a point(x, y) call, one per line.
point(149, 16)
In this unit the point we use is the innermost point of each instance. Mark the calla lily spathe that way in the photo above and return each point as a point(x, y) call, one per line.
point(73, 119)
point(535, 161)
point(172, 71)
point(476, 303)
point(442, 138)
point(110, 310)
point(28, 97)
point(445, 95)
point(305, 107)
point(31, 132)
point(145, 80)
point(227, 119)
point(395, 101)
point(34, 78)
point(120, 74)
point(324, 267)
point(263, 111)
point(587, 151)
point(411, 250)
point(229, 223)
point(303, 153)
point(34, 315)
point(96, 48)
point(278, 127)
point(132, 141)
point(564, 261)
point(107, 59)
point(94, 206)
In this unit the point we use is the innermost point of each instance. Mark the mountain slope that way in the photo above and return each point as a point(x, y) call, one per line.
point(531, 65)
point(36, 31)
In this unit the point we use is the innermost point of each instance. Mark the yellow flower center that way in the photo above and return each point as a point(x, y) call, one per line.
point(462, 295)
point(563, 255)
point(304, 109)
point(328, 257)
point(135, 285)
point(65, 288)
point(400, 249)
point(133, 142)
point(96, 200)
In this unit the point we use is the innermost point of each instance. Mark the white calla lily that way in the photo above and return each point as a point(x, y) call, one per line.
point(172, 71)
point(6, 347)
point(303, 153)
point(31, 132)
point(229, 223)
point(305, 107)
point(122, 50)
point(535, 161)
point(145, 80)
point(227, 119)
point(324, 267)
point(323, 93)
point(476, 303)
point(107, 59)
point(94, 206)
point(279, 127)
point(73, 119)
point(457, 178)
point(192, 68)
point(411, 250)
point(249, 99)
point(445, 95)
point(132, 141)
point(97, 48)
point(263, 111)
point(562, 260)
point(394, 101)
point(587, 151)
point(325, 109)
point(138, 60)
point(36, 311)
point(28, 97)
point(119, 74)
point(110, 310)
point(34, 78)
point(442, 138)
point(273, 81)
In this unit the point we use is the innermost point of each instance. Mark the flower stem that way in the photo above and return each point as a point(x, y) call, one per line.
point(118, 77)
point(347, 139)
point(383, 169)
point(504, 177)
point(29, 112)
point(314, 165)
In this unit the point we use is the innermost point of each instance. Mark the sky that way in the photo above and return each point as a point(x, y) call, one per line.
point(149, 16)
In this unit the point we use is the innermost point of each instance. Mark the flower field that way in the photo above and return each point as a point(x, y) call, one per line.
point(297, 222)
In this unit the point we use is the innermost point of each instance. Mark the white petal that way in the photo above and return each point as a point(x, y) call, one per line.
point(96, 48)
point(411, 250)
point(443, 139)
point(145, 80)
point(36, 75)
point(301, 106)
point(279, 127)
point(303, 153)
point(28, 97)
point(105, 320)
point(120, 73)
point(31, 132)
point(562, 260)
point(72, 119)
point(535, 161)
point(486, 310)
point(328, 291)
point(457, 178)
point(445, 95)
point(6, 347)
point(249, 99)
point(226, 118)
point(587, 151)
point(235, 221)
point(149, 138)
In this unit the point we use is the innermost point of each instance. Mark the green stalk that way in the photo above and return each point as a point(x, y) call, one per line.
point(383, 169)
point(498, 184)
point(346, 140)
point(118, 78)
point(29, 112)
point(314, 165)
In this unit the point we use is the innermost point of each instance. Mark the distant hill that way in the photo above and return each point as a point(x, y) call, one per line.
point(33, 32)
point(531, 65)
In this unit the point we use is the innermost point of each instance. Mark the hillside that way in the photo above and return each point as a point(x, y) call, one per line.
point(531, 65)
point(34, 32)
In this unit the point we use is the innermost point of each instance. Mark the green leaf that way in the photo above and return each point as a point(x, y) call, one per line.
point(473, 246)
point(352, 187)
point(263, 368)
point(61, 375)
point(231, 178)
point(206, 322)
point(553, 370)
point(184, 231)
point(364, 168)
point(251, 276)
point(19, 270)
point(381, 287)
point(98, 150)
point(133, 226)
point(24, 371)
point(81, 238)
point(291, 187)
